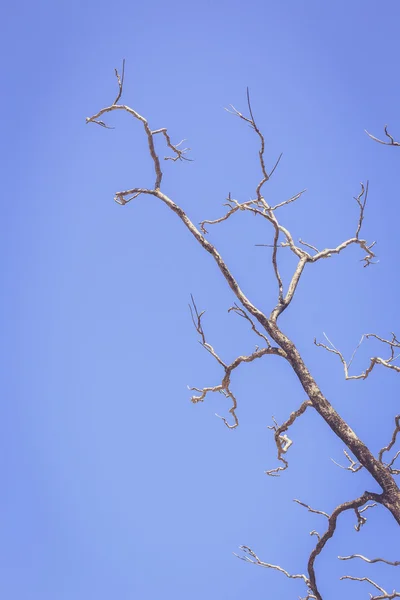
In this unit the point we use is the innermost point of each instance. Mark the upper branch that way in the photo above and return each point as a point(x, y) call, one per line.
point(391, 141)
point(394, 345)
point(149, 133)
point(287, 349)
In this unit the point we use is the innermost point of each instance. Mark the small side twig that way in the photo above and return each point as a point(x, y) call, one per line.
point(354, 465)
point(283, 442)
point(391, 141)
point(383, 593)
point(376, 360)
point(120, 80)
point(224, 386)
point(390, 446)
point(395, 563)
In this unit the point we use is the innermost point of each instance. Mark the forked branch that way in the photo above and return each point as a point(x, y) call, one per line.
point(382, 473)
point(383, 593)
point(120, 197)
point(393, 344)
point(391, 142)
point(224, 386)
point(310, 580)
point(282, 441)
point(390, 446)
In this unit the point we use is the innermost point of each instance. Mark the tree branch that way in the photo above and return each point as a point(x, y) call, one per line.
point(376, 360)
point(383, 595)
point(224, 386)
point(391, 141)
point(395, 563)
point(282, 442)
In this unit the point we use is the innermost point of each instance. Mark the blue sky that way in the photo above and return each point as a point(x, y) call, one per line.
point(114, 484)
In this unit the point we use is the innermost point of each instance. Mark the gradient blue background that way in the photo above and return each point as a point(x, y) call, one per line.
point(113, 484)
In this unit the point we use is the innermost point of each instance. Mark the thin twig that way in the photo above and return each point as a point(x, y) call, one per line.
point(391, 141)
point(120, 80)
point(395, 563)
point(283, 442)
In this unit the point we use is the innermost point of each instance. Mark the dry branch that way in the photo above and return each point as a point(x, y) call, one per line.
point(376, 360)
point(390, 446)
point(391, 141)
point(380, 472)
point(395, 563)
point(384, 594)
point(224, 386)
point(354, 465)
point(310, 580)
point(282, 441)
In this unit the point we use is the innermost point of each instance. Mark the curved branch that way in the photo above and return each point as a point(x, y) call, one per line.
point(224, 386)
point(332, 521)
point(282, 442)
point(391, 141)
point(395, 563)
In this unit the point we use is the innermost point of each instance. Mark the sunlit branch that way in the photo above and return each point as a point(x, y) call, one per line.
point(149, 133)
point(395, 563)
point(282, 441)
point(224, 386)
point(241, 313)
point(391, 141)
point(250, 556)
point(312, 510)
point(383, 593)
point(332, 522)
point(390, 446)
point(120, 80)
point(376, 360)
point(354, 465)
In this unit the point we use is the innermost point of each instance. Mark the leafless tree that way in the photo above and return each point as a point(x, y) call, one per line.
point(272, 340)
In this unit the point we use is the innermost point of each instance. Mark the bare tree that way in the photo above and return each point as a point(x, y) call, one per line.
point(272, 340)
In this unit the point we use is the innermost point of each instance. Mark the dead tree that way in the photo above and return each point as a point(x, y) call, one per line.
point(274, 341)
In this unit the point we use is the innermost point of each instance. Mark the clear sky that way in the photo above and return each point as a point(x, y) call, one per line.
point(113, 484)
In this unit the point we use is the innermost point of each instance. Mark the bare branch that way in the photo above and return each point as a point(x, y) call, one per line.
point(180, 153)
point(395, 563)
point(250, 556)
point(354, 465)
point(313, 510)
point(308, 245)
point(239, 311)
point(376, 360)
point(253, 125)
point(149, 133)
point(285, 347)
point(310, 581)
point(391, 141)
point(282, 442)
point(224, 386)
point(289, 201)
point(383, 595)
point(361, 200)
point(360, 519)
point(120, 80)
point(233, 206)
point(390, 446)
point(332, 521)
